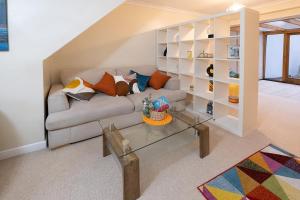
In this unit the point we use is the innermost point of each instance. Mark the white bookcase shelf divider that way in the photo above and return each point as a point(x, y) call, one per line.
point(190, 52)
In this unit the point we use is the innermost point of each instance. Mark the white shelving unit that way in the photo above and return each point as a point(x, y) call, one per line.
point(193, 36)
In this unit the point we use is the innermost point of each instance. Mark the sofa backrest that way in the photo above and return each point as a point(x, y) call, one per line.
point(93, 75)
point(146, 70)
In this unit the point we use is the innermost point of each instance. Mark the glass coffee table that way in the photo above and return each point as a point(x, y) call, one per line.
point(124, 143)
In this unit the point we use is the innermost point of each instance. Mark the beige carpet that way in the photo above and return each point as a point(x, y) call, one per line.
point(169, 170)
point(279, 114)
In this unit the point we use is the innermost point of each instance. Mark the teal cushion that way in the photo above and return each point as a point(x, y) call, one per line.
point(142, 80)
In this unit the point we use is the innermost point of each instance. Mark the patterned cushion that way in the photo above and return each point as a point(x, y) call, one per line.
point(131, 82)
point(133, 87)
point(79, 89)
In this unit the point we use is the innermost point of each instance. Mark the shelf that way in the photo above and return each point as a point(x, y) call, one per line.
point(204, 39)
point(224, 101)
point(188, 41)
point(204, 58)
point(228, 37)
point(173, 42)
point(187, 59)
point(207, 95)
point(227, 59)
point(186, 74)
point(229, 123)
point(190, 92)
point(163, 69)
point(228, 81)
point(205, 78)
point(202, 113)
point(172, 71)
point(192, 36)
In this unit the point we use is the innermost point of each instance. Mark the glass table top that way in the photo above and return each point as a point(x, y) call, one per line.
point(140, 136)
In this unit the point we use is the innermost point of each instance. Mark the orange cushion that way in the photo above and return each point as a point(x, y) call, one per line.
point(106, 85)
point(158, 80)
point(87, 84)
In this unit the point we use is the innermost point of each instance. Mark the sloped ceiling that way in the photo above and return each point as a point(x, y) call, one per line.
point(203, 6)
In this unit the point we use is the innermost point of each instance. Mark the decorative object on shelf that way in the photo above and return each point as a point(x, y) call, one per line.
point(191, 87)
point(205, 55)
point(233, 74)
point(209, 108)
point(211, 86)
point(234, 90)
point(166, 52)
point(3, 26)
point(210, 29)
point(189, 55)
point(156, 110)
point(210, 70)
point(233, 52)
point(177, 37)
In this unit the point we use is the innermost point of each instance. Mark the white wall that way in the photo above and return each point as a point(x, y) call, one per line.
point(37, 28)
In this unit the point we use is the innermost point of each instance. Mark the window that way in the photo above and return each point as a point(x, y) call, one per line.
point(281, 56)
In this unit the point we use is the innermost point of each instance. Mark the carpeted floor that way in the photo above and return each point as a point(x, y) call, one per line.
point(168, 171)
point(279, 113)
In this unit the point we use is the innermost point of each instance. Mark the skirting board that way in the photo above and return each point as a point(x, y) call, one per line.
point(22, 150)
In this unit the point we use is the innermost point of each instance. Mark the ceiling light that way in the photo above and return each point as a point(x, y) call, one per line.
point(235, 7)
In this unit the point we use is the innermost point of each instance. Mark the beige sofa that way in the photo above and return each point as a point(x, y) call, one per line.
point(71, 121)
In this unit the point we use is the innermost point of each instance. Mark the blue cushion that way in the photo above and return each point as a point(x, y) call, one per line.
point(142, 81)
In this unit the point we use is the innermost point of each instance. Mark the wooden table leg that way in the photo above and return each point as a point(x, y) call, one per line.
point(112, 143)
point(131, 177)
point(203, 132)
point(106, 150)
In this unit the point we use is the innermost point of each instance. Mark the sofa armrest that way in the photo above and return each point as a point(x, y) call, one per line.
point(173, 84)
point(57, 99)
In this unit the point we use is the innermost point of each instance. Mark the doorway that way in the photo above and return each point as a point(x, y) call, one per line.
point(282, 56)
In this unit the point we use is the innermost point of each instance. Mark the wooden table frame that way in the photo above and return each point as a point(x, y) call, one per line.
point(113, 143)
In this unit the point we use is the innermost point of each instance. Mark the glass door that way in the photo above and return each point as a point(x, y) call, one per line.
point(294, 58)
point(274, 59)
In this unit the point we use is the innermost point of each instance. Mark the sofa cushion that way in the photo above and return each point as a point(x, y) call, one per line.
point(99, 107)
point(158, 80)
point(142, 81)
point(91, 75)
point(172, 95)
point(146, 70)
point(106, 85)
point(79, 89)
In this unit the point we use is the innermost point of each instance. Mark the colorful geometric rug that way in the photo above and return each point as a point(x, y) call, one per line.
point(270, 174)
